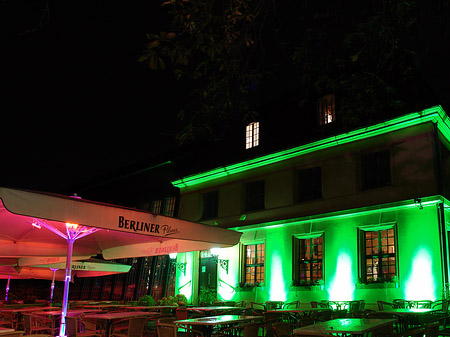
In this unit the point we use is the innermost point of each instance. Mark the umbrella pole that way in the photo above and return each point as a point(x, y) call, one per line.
point(53, 284)
point(62, 327)
point(7, 288)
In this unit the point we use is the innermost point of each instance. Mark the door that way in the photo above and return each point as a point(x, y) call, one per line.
point(208, 278)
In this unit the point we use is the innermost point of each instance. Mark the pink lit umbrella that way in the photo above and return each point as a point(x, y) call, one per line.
point(38, 224)
point(56, 271)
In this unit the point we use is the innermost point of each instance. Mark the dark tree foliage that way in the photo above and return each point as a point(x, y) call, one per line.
point(366, 52)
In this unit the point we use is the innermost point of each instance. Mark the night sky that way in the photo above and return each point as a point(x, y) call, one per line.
point(76, 104)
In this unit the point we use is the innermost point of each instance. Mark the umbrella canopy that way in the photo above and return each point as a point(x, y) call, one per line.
point(40, 224)
point(89, 268)
point(125, 232)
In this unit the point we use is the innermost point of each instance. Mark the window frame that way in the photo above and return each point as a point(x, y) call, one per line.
point(295, 259)
point(252, 135)
point(258, 281)
point(325, 105)
point(362, 255)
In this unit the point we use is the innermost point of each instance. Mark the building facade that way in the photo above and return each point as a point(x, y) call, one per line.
point(358, 215)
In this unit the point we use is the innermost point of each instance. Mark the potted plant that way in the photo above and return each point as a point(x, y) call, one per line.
point(146, 301)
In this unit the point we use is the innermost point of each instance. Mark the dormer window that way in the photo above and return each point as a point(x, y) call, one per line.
point(252, 135)
point(326, 109)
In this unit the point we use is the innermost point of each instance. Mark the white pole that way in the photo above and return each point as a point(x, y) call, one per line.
point(62, 327)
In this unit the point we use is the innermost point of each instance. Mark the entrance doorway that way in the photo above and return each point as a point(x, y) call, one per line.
point(207, 279)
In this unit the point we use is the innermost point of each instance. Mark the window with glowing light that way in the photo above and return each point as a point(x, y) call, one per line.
point(252, 135)
point(308, 256)
point(326, 109)
point(254, 258)
point(378, 255)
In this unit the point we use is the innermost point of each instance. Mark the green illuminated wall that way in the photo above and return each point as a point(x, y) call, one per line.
point(420, 267)
point(419, 256)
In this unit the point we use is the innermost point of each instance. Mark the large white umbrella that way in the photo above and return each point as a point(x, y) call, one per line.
point(41, 224)
point(56, 271)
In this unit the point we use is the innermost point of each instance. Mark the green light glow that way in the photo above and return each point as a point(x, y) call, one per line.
point(420, 284)
point(184, 282)
point(434, 115)
point(277, 289)
point(226, 282)
point(342, 285)
point(363, 211)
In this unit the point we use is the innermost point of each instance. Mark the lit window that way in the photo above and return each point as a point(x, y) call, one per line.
point(308, 256)
point(254, 264)
point(326, 109)
point(378, 255)
point(252, 135)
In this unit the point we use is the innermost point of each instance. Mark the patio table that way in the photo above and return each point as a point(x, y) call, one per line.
point(160, 308)
point(413, 316)
point(109, 317)
point(7, 332)
point(354, 326)
point(215, 310)
point(16, 314)
point(209, 322)
point(298, 311)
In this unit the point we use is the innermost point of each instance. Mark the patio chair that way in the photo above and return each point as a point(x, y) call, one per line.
point(398, 327)
point(258, 309)
point(269, 319)
point(316, 304)
point(171, 330)
point(382, 305)
point(428, 330)
point(152, 321)
point(283, 329)
point(242, 330)
point(134, 327)
point(8, 320)
point(35, 323)
point(181, 313)
point(241, 304)
point(401, 303)
point(75, 327)
point(291, 305)
point(426, 304)
point(270, 305)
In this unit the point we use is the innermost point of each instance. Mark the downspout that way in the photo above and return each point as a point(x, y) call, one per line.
point(443, 243)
